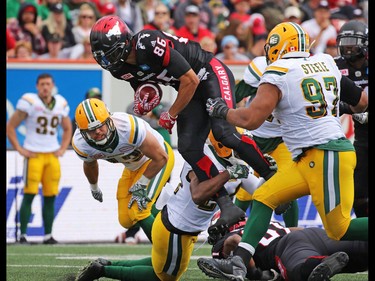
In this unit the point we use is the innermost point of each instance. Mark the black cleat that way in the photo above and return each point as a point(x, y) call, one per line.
point(230, 215)
point(94, 270)
point(103, 261)
point(50, 241)
point(329, 266)
point(23, 240)
point(232, 268)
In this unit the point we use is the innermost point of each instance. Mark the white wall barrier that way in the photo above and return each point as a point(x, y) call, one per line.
point(78, 216)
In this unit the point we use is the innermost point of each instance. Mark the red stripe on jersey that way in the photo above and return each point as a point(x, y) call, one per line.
point(249, 140)
point(167, 56)
point(205, 165)
point(222, 75)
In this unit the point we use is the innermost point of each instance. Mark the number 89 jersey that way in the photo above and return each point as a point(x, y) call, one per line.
point(42, 122)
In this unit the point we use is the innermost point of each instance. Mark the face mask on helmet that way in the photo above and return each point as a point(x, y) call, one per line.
point(92, 114)
point(287, 40)
point(352, 40)
point(110, 40)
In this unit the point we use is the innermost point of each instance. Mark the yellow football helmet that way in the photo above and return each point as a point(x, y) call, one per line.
point(287, 40)
point(92, 114)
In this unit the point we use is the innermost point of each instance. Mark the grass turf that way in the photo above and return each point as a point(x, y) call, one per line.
point(61, 262)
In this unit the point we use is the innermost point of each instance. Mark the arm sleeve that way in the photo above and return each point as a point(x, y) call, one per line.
point(350, 92)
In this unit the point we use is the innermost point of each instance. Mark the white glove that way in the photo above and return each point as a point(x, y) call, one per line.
point(361, 117)
point(272, 161)
point(96, 192)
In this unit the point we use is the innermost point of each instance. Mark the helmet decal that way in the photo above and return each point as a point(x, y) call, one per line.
point(114, 31)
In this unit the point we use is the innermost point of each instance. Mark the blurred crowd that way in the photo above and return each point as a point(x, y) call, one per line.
point(234, 30)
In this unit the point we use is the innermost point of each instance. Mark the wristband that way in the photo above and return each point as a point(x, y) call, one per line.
point(144, 180)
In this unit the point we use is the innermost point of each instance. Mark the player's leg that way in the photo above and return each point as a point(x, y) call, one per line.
point(361, 177)
point(32, 171)
point(50, 182)
point(193, 127)
point(171, 252)
point(332, 192)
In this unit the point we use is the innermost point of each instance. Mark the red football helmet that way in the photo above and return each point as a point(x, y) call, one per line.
point(110, 40)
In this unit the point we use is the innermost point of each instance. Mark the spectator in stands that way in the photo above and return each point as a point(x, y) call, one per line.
point(45, 8)
point(10, 43)
point(162, 20)
point(229, 46)
point(23, 50)
point(308, 7)
point(257, 49)
point(293, 14)
point(320, 28)
point(56, 22)
point(148, 10)
point(74, 6)
point(241, 10)
point(25, 28)
point(130, 13)
point(220, 12)
point(192, 29)
point(86, 53)
point(105, 7)
point(207, 19)
point(13, 7)
point(56, 50)
point(209, 44)
point(86, 20)
point(331, 47)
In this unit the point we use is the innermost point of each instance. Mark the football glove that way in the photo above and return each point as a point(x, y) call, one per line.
point(217, 107)
point(143, 106)
point(238, 171)
point(167, 121)
point(96, 192)
point(361, 117)
point(271, 161)
point(139, 195)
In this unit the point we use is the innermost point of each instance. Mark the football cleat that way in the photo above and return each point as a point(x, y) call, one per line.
point(329, 266)
point(94, 270)
point(232, 268)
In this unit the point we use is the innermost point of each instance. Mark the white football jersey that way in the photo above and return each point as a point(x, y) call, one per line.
point(131, 132)
point(183, 213)
point(252, 75)
point(308, 109)
point(42, 123)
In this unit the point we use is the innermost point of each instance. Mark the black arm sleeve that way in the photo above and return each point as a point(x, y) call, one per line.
point(344, 108)
point(350, 92)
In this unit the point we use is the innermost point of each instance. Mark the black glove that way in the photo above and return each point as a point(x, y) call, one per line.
point(217, 107)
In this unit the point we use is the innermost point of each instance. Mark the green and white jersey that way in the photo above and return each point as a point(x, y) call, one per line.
point(42, 122)
point(252, 75)
point(308, 109)
point(131, 132)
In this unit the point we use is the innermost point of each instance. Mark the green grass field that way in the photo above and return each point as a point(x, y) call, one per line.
point(62, 262)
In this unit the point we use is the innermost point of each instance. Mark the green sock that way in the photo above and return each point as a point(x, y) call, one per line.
point(48, 213)
point(25, 211)
point(128, 263)
point(133, 273)
point(291, 215)
point(146, 225)
point(154, 211)
point(257, 223)
point(358, 230)
point(242, 204)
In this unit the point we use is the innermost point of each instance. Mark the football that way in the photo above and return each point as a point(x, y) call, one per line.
point(152, 89)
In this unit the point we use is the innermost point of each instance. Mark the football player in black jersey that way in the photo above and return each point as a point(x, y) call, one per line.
point(352, 43)
point(295, 253)
point(156, 56)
